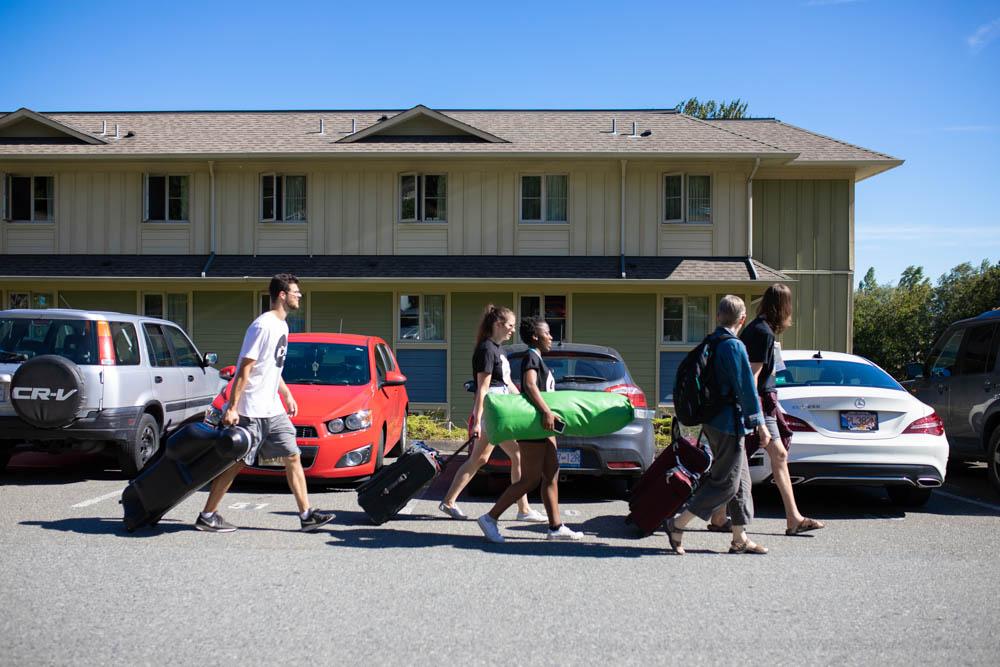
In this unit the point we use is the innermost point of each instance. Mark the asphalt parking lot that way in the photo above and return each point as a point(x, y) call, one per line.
point(878, 585)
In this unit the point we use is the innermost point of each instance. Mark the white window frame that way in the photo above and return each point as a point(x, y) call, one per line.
point(166, 197)
point(437, 343)
point(5, 210)
point(420, 200)
point(541, 305)
point(684, 342)
point(683, 220)
point(188, 305)
point(544, 199)
point(274, 219)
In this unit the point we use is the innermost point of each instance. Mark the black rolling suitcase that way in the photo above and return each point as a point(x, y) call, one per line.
point(392, 487)
point(192, 457)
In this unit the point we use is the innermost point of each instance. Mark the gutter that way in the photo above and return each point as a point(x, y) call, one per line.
point(753, 172)
point(621, 243)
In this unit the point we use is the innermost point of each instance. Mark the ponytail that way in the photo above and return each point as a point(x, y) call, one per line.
point(491, 316)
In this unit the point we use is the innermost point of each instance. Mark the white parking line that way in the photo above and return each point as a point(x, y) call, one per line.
point(989, 506)
point(94, 501)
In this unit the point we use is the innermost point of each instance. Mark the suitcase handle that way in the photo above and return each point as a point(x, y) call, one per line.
point(444, 463)
point(402, 478)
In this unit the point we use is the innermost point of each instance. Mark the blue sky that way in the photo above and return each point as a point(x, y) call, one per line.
point(916, 80)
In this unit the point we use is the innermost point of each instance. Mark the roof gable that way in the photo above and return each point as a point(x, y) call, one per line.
point(421, 124)
point(27, 126)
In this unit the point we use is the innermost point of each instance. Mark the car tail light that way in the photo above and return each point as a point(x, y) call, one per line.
point(635, 395)
point(623, 465)
point(929, 425)
point(105, 348)
point(797, 425)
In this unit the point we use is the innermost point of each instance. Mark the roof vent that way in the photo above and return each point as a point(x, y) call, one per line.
point(354, 127)
point(614, 127)
point(104, 128)
point(322, 126)
point(118, 132)
point(382, 118)
point(634, 134)
point(646, 133)
point(129, 134)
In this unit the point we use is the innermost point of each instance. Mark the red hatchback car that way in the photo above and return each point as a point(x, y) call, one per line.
point(352, 405)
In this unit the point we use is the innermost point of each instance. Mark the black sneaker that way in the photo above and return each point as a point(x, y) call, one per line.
point(314, 520)
point(213, 524)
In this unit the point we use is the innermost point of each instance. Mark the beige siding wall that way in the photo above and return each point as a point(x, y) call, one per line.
point(804, 228)
point(352, 208)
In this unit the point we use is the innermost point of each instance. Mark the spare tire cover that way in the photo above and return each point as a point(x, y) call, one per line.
point(47, 391)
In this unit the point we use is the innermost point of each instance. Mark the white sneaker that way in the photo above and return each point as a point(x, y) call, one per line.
point(564, 534)
point(532, 516)
point(490, 528)
point(454, 512)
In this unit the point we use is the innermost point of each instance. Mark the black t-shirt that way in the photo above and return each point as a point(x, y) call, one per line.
point(533, 362)
point(489, 358)
point(759, 340)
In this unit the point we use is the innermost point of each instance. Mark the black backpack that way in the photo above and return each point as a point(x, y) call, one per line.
point(697, 397)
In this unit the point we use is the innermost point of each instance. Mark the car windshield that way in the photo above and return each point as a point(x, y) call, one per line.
point(579, 368)
point(23, 338)
point(327, 364)
point(831, 373)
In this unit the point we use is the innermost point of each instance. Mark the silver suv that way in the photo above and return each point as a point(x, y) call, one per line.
point(88, 380)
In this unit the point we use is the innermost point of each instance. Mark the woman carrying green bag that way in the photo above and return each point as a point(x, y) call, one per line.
point(539, 458)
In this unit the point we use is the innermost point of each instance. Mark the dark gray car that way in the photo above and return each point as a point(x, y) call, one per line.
point(961, 380)
point(625, 454)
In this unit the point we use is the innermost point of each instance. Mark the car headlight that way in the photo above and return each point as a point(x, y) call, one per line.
point(335, 425)
point(359, 420)
point(355, 457)
point(213, 416)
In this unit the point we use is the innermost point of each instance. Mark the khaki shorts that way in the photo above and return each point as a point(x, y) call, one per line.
point(270, 437)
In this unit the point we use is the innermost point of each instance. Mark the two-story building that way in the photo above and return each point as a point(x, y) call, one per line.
point(622, 226)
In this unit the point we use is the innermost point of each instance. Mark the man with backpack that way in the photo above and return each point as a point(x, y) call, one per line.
point(724, 400)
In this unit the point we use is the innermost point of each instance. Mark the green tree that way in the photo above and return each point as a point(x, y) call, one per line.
point(710, 110)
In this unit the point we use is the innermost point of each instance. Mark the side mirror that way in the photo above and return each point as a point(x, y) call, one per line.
point(210, 359)
point(227, 373)
point(914, 371)
point(393, 379)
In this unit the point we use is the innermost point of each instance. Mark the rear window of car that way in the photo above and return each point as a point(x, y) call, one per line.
point(22, 338)
point(833, 373)
point(326, 363)
point(576, 367)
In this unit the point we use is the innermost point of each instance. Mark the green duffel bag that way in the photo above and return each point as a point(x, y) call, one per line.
point(585, 413)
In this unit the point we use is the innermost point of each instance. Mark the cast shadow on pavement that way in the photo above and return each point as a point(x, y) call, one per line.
point(105, 526)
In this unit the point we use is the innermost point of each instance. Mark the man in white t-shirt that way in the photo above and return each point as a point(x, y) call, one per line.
point(255, 405)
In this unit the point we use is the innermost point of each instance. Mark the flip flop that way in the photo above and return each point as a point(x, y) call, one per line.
point(805, 526)
point(747, 547)
point(674, 544)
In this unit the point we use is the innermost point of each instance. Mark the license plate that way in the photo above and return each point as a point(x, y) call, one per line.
point(272, 462)
point(859, 421)
point(569, 458)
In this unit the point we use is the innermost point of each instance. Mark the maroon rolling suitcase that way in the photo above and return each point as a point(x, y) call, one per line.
point(668, 483)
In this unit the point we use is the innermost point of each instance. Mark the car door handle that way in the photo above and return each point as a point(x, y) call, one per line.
point(157, 379)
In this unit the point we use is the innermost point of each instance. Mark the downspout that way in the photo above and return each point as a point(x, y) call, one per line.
point(211, 217)
point(750, 266)
point(621, 241)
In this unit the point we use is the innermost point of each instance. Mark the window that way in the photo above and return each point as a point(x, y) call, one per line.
point(423, 198)
point(125, 343)
point(685, 319)
point(42, 300)
point(296, 320)
point(159, 352)
point(380, 366)
point(421, 318)
point(978, 353)
point(176, 307)
point(167, 198)
point(19, 300)
point(687, 198)
point(544, 198)
point(943, 359)
point(554, 309)
point(390, 363)
point(184, 350)
point(29, 198)
point(282, 198)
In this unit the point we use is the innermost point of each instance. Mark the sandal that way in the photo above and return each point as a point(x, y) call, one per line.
point(747, 547)
point(675, 544)
point(727, 527)
point(804, 526)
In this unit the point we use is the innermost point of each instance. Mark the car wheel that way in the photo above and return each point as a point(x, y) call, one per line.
point(400, 447)
point(908, 496)
point(381, 450)
point(993, 460)
point(137, 451)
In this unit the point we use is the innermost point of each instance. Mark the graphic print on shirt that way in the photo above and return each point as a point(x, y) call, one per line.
point(280, 352)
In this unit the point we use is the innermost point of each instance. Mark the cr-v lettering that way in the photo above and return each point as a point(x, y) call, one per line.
point(41, 394)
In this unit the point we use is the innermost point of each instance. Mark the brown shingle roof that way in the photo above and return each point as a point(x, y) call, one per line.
point(810, 146)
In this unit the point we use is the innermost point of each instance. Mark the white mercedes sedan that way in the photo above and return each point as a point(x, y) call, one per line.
point(853, 424)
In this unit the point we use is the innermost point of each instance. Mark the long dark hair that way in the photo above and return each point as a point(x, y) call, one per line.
point(776, 307)
point(491, 316)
